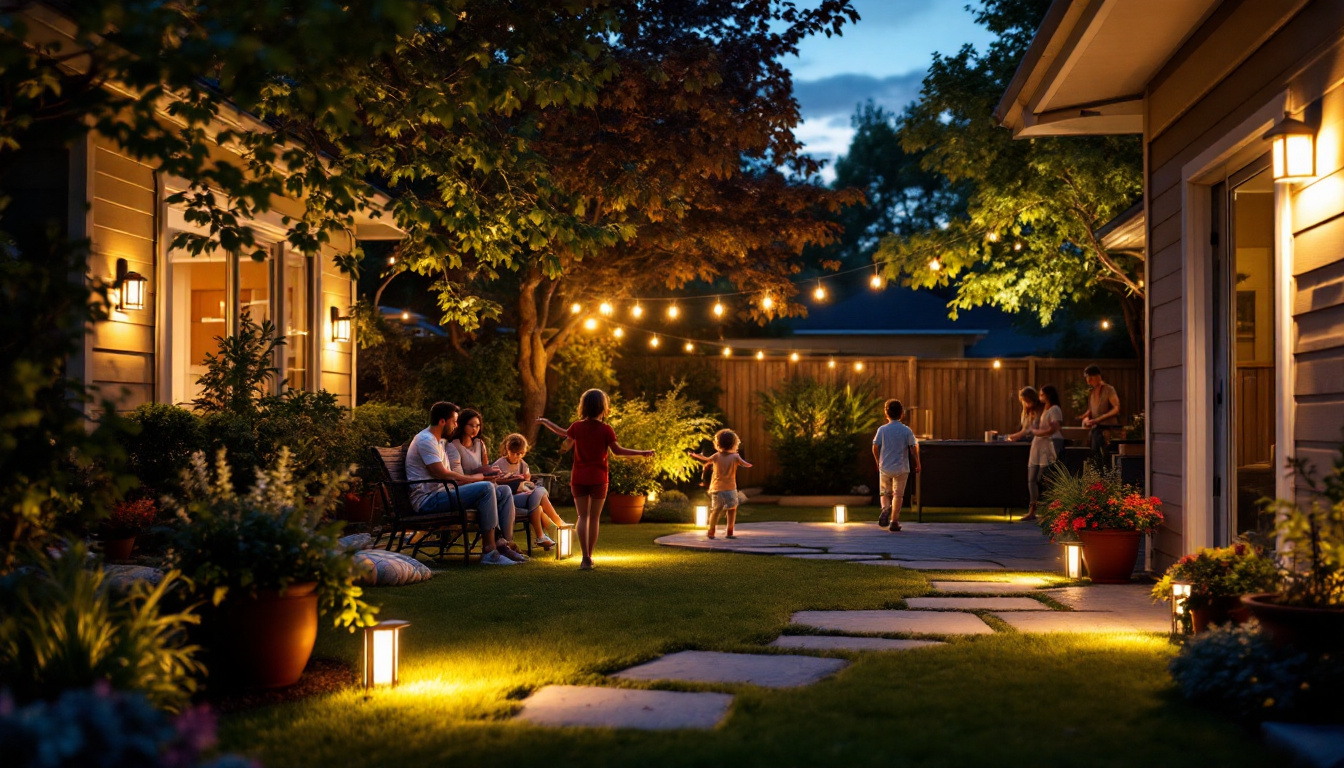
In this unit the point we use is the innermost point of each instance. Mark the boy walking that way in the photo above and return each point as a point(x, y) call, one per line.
point(895, 450)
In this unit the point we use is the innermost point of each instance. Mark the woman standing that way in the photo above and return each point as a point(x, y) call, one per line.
point(1053, 413)
point(1042, 450)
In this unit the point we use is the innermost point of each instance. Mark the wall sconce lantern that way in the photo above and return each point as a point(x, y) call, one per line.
point(382, 653)
point(132, 287)
point(1073, 559)
point(1180, 613)
point(1293, 149)
point(564, 542)
point(701, 516)
point(340, 326)
point(841, 514)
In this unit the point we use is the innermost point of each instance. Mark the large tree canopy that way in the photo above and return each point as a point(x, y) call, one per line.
point(1026, 238)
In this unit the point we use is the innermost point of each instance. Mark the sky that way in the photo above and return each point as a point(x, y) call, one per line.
point(883, 57)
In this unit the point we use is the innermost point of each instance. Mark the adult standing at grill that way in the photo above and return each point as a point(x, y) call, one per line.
point(1103, 411)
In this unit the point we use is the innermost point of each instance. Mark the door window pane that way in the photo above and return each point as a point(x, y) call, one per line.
point(298, 318)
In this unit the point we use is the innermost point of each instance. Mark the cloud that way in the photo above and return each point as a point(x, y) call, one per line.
point(841, 94)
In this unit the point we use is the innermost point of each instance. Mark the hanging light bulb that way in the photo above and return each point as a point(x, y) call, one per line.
point(618, 332)
point(689, 347)
point(727, 351)
point(405, 316)
point(718, 309)
point(998, 364)
point(575, 308)
point(767, 302)
point(793, 357)
point(391, 260)
point(1017, 246)
point(637, 311)
point(820, 293)
point(605, 309)
point(858, 367)
point(654, 342)
point(993, 237)
point(935, 265)
point(830, 363)
point(876, 280)
point(1105, 325)
point(760, 354)
point(590, 324)
point(673, 312)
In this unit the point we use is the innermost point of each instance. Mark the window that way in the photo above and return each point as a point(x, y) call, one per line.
point(298, 314)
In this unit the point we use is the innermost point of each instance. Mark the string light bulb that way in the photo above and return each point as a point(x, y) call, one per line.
point(858, 367)
point(993, 237)
point(575, 308)
point(673, 312)
point(718, 309)
point(935, 265)
point(618, 332)
point(637, 311)
point(1105, 325)
point(767, 302)
point(654, 342)
point(590, 324)
point(820, 292)
point(998, 364)
point(1017, 246)
point(391, 260)
point(830, 363)
point(405, 316)
point(876, 280)
point(689, 347)
point(727, 351)
point(605, 309)
point(760, 354)
point(793, 357)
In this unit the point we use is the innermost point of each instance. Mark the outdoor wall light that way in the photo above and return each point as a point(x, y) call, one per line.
point(1180, 594)
point(132, 287)
point(564, 542)
point(841, 514)
point(1073, 559)
point(701, 516)
point(1293, 149)
point(340, 326)
point(382, 653)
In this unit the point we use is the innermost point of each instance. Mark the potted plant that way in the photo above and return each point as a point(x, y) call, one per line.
point(1106, 514)
point(356, 502)
point(1218, 577)
point(267, 564)
point(632, 482)
point(128, 519)
point(670, 425)
point(1133, 442)
point(1307, 611)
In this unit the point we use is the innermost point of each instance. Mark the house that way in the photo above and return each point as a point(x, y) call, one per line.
point(167, 316)
point(1240, 106)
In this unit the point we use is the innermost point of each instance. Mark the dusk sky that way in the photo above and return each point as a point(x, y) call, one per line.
point(883, 57)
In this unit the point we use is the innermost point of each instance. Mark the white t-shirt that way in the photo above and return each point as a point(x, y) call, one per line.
point(426, 449)
point(503, 465)
point(471, 459)
point(894, 440)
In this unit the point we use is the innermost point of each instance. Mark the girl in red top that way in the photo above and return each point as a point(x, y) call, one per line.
point(591, 439)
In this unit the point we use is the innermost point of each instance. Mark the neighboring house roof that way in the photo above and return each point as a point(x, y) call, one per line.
point(410, 322)
point(1127, 232)
point(1090, 63)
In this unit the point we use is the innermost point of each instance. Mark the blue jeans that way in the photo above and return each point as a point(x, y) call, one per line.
point(493, 503)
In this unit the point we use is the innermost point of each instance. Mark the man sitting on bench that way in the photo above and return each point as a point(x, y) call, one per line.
point(428, 458)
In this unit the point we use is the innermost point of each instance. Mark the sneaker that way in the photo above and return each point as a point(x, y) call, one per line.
point(894, 527)
point(493, 557)
point(884, 519)
point(545, 542)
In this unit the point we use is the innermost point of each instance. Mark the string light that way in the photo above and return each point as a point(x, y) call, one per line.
point(727, 351)
point(618, 332)
point(1105, 325)
point(391, 260)
point(689, 347)
point(935, 265)
point(993, 237)
point(876, 280)
point(820, 293)
point(590, 324)
point(793, 357)
point(405, 316)
point(673, 312)
point(637, 311)
point(1017, 246)
point(998, 364)
point(858, 367)
point(605, 309)
point(718, 309)
point(760, 354)
point(830, 363)
point(767, 302)
point(653, 342)
point(575, 308)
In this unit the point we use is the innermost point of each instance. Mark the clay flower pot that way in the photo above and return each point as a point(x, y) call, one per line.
point(358, 507)
point(625, 508)
point(118, 549)
point(1110, 554)
point(1222, 610)
point(265, 640)
point(1315, 630)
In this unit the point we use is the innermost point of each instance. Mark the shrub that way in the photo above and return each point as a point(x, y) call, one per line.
point(159, 443)
point(310, 424)
point(672, 507)
point(60, 629)
point(97, 728)
point(130, 518)
point(814, 430)
point(1240, 569)
point(1237, 670)
point(1312, 540)
point(486, 381)
point(272, 536)
point(378, 424)
point(672, 425)
point(240, 374)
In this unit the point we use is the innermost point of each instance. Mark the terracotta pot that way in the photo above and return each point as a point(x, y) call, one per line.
point(118, 549)
point(1222, 610)
point(265, 641)
point(358, 508)
point(1132, 449)
point(1110, 554)
point(1307, 629)
point(625, 508)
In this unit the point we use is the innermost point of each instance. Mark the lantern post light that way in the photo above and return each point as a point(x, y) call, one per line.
point(701, 516)
point(841, 514)
point(340, 326)
point(1293, 149)
point(1073, 559)
point(1180, 613)
point(382, 652)
point(131, 287)
point(564, 541)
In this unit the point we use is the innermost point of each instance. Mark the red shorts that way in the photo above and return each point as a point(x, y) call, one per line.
point(597, 491)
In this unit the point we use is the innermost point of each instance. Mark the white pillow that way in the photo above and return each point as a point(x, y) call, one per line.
point(380, 568)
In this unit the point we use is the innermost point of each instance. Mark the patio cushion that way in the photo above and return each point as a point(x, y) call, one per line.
point(380, 568)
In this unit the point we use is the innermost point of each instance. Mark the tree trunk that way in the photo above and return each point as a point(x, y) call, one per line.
point(532, 357)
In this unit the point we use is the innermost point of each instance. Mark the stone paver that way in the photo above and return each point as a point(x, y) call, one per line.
point(985, 587)
point(839, 643)
point(975, 546)
point(836, 556)
point(714, 667)
point(894, 622)
point(791, 551)
point(938, 565)
point(595, 707)
point(976, 604)
point(1083, 621)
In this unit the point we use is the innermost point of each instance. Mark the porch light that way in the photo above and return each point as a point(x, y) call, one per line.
point(340, 326)
point(382, 652)
point(1180, 594)
point(131, 287)
point(564, 542)
point(1293, 149)
point(701, 516)
point(1073, 559)
point(841, 514)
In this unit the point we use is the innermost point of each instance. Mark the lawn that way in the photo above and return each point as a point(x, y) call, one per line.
point(482, 638)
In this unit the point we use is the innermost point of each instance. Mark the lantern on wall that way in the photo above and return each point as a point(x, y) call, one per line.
point(382, 653)
point(340, 326)
point(1180, 611)
point(841, 514)
point(131, 286)
point(564, 542)
point(1073, 559)
point(701, 516)
point(1293, 149)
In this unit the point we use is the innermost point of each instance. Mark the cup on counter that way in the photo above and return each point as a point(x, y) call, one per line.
point(991, 435)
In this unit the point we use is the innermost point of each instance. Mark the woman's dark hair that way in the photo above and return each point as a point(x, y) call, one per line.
point(1051, 394)
point(467, 415)
point(441, 411)
point(594, 404)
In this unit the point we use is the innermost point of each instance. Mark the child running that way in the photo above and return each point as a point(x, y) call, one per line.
point(528, 495)
point(723, 488)
point(592, 439)
point(895, 450)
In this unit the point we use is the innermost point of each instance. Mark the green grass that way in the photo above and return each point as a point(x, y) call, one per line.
point(482, 638)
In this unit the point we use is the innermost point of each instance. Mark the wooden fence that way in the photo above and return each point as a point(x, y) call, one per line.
point(960, 398)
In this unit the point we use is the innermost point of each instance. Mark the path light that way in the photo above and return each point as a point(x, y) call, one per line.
point(637, 311)
point(575, 308)
point(131, 287)
point(701, 516)
point(841, 514)
point(564, 541)
point(1180, 595)
point(605, 309)
point(1073, 559)
point(1293, 150)
point(340, 326)
point(382, 652)
point(653, 342)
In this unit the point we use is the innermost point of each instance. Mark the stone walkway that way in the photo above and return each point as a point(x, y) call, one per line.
point(926, 546)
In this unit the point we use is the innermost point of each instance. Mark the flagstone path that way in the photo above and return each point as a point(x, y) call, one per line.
point(847, 643)
point(987, 587)
point(712, 667)
point(596, 707)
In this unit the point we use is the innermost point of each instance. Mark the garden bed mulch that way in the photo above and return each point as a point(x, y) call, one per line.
point(320, 677)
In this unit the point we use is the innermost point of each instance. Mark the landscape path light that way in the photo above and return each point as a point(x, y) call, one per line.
point(1180, 609)
point(1073, 559)
point(841, 514)
point(701, 516)
point(382, 653)
point(564, 541)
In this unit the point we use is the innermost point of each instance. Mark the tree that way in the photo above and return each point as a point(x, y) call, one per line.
point(1026, 241)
